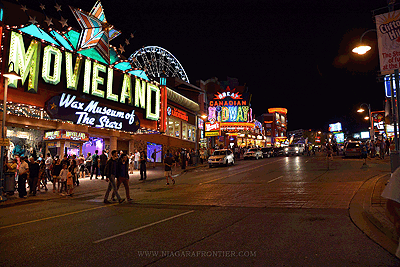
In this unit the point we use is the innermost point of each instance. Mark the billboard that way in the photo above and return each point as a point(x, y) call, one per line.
point(335, 127)
point(388, 31)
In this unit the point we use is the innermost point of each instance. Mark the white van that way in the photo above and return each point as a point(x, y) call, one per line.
point(295, 149)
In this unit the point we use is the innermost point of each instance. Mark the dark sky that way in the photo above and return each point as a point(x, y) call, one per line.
point(290, 53)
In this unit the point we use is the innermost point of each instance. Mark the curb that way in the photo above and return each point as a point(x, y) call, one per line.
point(372, 220)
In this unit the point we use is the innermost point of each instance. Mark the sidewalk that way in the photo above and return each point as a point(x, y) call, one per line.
point(88, 186)
point(367, 211)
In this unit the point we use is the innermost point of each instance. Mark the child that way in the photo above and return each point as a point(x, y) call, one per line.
point(63, 178)
point(70, 183)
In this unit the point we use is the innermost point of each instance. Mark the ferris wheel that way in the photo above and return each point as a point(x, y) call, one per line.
point(155, 60)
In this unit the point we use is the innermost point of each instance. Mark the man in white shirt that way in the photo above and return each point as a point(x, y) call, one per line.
point(22, 176)
point(137, 157)
point(48, 162)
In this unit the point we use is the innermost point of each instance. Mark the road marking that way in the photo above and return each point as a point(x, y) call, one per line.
point(57, 216)
point(142, 227)
point(259, 166)
point(275, 179)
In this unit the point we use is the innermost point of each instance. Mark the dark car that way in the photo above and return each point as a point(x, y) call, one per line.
point(279, 151)
point(267, 152)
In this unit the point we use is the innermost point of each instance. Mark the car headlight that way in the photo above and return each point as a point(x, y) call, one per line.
point(297, 148)
point(286, 149)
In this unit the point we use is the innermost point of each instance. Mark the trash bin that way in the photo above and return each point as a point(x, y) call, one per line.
point(9, 182)
point(394, 160)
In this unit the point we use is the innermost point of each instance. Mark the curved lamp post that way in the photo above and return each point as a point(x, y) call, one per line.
point(361, 49)
point(371, 131)
point(8, 75)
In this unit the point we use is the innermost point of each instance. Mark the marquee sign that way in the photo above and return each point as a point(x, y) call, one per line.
point(229, 106)
point(46, 66)
point(66, 135)
point(171, 111)
point(67, 107)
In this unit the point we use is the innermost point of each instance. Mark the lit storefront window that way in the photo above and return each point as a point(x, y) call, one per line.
point(171, 127)
point(177, 128)
point(184, 131)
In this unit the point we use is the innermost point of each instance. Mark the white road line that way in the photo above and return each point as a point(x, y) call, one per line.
point(274, 179)
point(233, 174)
point(142, 227)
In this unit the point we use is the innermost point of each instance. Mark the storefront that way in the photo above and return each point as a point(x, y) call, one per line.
point(72, 100)
point(230, 110)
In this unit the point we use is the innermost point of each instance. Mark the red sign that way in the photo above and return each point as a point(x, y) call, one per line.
point(212, 127)
point(178, 113)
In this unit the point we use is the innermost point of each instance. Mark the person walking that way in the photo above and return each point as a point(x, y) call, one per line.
point(95, 165)
point(103, 163)
point(111, 172)
point(33, 176)
point(56, 175)
point(131, 159)
point(154, 157)
point(63, 178)
point(137, 158)
point(123, 175)
point(143, 162)
point(88, 163)
point(81, 166)
point(168, 161)
point(48, 162)
point(73, 169)
point(42, 175)
point(22, 177)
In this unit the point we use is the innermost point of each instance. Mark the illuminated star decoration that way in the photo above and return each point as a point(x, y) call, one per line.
point(96, 32)
point(53, 106)
point(24, 8)
point(48, 21)
point(42, 6)
point(127, 42)
point(58, 7)
point(32, 20)
point(121, 49)
point(63, 22)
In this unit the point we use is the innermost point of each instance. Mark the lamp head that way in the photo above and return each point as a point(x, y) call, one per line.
point(12, 74)
point(361, 49)
point(360, 110)
point(366, 118)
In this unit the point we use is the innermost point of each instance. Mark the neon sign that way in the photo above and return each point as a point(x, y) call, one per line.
point(66, 135)
point(229, 114)
point(228, 93)
point(98, 79)
point(278, 110)
point(67, 107)
point(177, 113)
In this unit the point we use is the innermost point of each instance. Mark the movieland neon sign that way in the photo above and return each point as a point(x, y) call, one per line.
point(98, 79)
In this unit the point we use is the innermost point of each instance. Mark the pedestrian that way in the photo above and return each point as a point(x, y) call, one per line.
point(95, 164)
point(65, 160)
point(49, 162)
point(63, 178)
point(81, 166)
point(382, 149)
point(176, 158)
point(183, 159)
point(56, 175)
point(168, 161)
point(42, 175)
point(88, 163)
point(33, 176)
point(142, 163)
point(123, 175)
point(131, 159)
point(387, 146)
point(103, 163)
point(111, 171)
point(73, 169)
point(154, 156)
point(137, 158)
point(329, 151)
point(22, 177)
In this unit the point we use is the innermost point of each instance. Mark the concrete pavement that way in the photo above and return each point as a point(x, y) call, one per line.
point(367, 211)
point(88, 186)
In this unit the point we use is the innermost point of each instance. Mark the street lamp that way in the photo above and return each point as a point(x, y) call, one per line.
point(13, 76)
point(371, 131)
point(361, 49)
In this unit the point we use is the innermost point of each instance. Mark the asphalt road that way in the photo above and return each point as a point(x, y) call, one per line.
point(272, 212)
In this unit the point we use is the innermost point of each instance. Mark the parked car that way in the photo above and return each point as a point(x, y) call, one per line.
point(267, 152)
point(254, 153)
point(221, 157)
point(352, 149)
point(279, 151)
point(294, 149)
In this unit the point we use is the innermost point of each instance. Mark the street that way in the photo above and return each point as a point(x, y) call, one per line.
point(282, 211)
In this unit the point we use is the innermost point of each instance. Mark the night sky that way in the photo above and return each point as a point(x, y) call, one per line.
point(292, 54)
